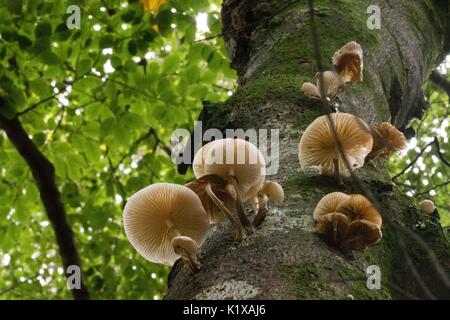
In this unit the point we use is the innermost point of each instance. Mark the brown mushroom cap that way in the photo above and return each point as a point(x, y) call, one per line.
point(333, 85)
point(386, 138)
point(318, 146)
point(427, 206)
point(361, 234)
point(358, 207)
point(236, 158)
point(157, 214)
point(328, 204)
point(333, 225)
point(366, 221)
point(348, 62)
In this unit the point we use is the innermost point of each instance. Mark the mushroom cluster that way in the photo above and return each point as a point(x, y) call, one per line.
point(348, 221)
point(165, 222)
point(348, 63)
point(230, 172)
point(336, 145)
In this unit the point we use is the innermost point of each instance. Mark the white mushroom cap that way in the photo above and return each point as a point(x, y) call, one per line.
point(198, 163)
point(318, 147)
point(273, 190)
point(157, 214)
point(310, 90)
point(233, 157)
point(427, 206)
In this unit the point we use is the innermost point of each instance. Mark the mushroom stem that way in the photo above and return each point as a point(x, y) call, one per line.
point(245, 222)
point(335, 230)
point(239, 233)
point(337, 173)
point(260, 216)
point(255, 204)
point(187, 248)
point(192, 261)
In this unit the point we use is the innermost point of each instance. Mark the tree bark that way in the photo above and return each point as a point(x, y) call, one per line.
point(270, 45)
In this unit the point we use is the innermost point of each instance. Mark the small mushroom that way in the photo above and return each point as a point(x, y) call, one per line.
point(348, 62)
point(332, 224)
point(318, 146)
point(427, 206)
point(240, 164)
point(386, 139)
point(332, 84)
point(270, 190)
point(164, 222)
point(310, 90)
point(366, 221)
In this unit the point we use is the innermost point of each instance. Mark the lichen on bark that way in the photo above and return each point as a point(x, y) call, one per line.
point(270, 45)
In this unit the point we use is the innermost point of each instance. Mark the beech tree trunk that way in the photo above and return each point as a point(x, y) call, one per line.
point(270, 44)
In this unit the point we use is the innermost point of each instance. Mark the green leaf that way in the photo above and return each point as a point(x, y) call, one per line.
point(132, 47)
point(89, 83)
point(9, 35)
point(171, 63)
point(92, 151)
point(74, 171)
point(121, 134)
point(41, 88)
point(83, 66)
point(22, 213)
point(43, 29)
point(49, 58)
point(128, 16)
point(39, 139)
point(133, 121)
point(106, 42)
point(24, 42)
point(62, 33)
point(107, 127)
point(14, 6)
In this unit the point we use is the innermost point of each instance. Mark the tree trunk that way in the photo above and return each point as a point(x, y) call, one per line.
point(271, 47)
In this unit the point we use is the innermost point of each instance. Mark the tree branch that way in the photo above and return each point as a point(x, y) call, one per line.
point(34, 106)
point(412, 162)
point(44, 175)
point(440, 153)
point(440, 81)
point(441, 185)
